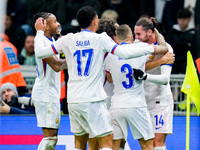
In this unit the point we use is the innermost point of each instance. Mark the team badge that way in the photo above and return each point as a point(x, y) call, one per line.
point(57, 120)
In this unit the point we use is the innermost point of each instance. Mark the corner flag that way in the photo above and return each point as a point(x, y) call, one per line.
point(190, 84)
point(190, 87)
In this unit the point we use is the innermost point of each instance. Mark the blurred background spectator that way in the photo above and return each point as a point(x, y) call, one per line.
point(128, 11)
point(181, 38)
point(159, 10)
point(10, 68)
point(57, 7)
point(27, 55)
point(190, 4)
point(170, 13)
point(72, 6)
point(110, 14)
point(15, 33)
point(9, 101)
point(17, 11)
point(19, 27)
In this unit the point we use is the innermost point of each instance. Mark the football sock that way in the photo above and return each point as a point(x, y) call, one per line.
point(48, 143)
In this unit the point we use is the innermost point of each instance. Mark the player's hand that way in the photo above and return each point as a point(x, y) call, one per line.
point(139, 74)
point(156, 33)
point(40, 24)
point(168, 58)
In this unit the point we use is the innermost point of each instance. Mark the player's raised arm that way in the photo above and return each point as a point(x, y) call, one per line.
point(126, 53)
point(40, 50)
point(161, 48)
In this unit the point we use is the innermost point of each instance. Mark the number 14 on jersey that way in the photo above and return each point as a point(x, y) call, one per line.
point(159, 121)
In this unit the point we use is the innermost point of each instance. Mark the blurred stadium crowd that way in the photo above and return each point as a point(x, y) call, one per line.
point(179, 22)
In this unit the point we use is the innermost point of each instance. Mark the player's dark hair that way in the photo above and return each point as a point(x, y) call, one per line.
point(147, 24)
point(107, 26)
point(44, 15)
point(85, 15)
point(184, 13)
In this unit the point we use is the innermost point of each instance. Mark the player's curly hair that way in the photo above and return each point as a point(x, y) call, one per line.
point(107, 26)
point(147, 23)
point(44, 15)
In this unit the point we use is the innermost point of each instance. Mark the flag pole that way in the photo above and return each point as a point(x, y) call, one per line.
point(188, 123)
point(191, 88)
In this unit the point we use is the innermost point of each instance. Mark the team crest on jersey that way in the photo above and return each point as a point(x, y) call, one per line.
point(57, 120)
point(151, 57)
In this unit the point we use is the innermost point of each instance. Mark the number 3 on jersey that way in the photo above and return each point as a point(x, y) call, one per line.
point(79, 54)
point(126, 84)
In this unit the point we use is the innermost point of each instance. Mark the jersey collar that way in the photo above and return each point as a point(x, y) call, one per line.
point(49, 38)
point(123, 43)
point(86, 30)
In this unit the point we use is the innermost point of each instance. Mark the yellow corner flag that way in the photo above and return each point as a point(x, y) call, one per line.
point(191, 88)
point(191, 83)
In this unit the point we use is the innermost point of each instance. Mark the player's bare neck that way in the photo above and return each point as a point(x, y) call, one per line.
point(125, 41)
point(92, 27)
point(48, 35)
point(152, 39)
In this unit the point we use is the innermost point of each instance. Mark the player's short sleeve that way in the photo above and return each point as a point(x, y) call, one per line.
point(107, 42)
point(62, 43)
point(135, 50)
point(170, 49)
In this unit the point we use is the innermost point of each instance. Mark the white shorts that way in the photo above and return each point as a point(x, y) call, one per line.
point(138, 119)
point(48, 114)
point(162, 118)
point(92, 118)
